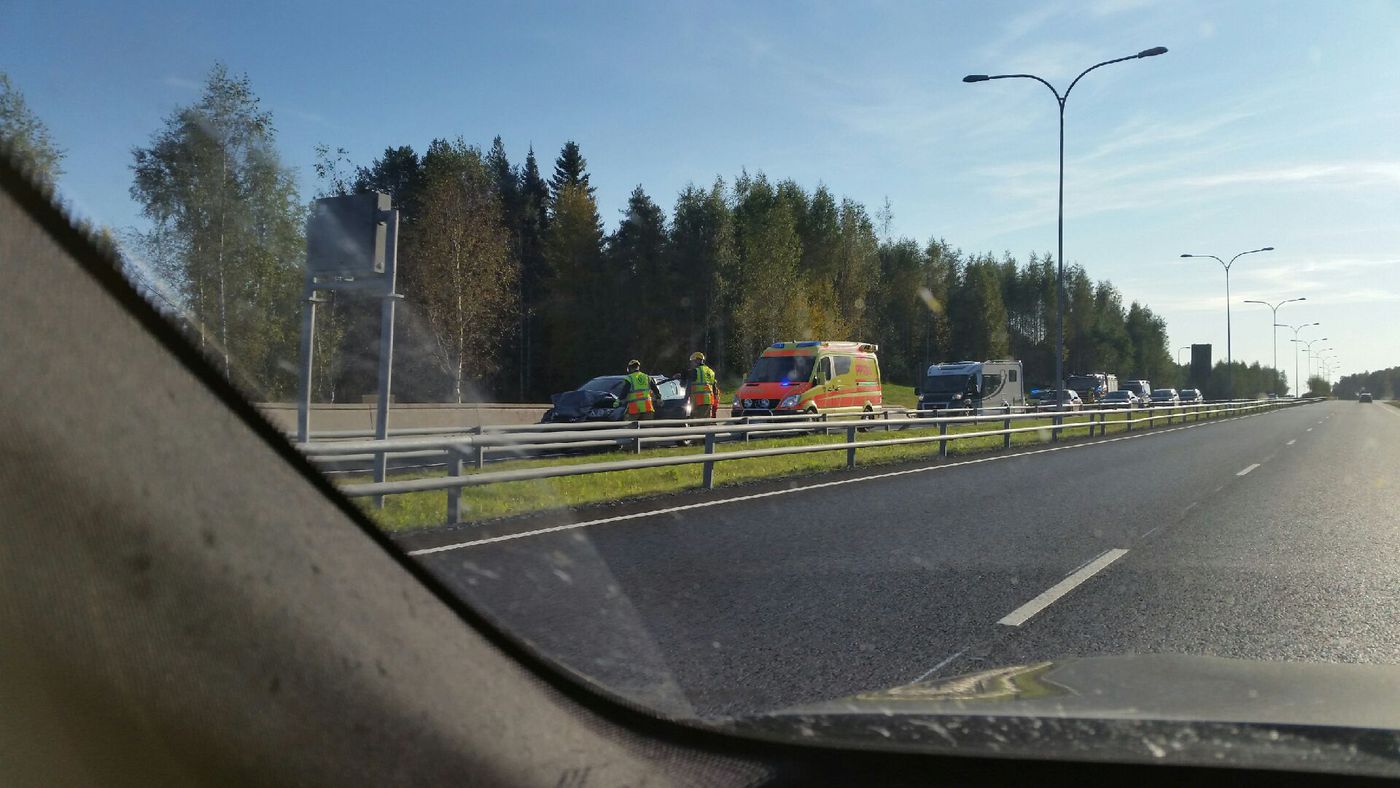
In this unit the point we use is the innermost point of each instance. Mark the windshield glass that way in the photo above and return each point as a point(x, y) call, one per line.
point(407, 242)
point(947, 384)
point(605, 385)
point(781, 369)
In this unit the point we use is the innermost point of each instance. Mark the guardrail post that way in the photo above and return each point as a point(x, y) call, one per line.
point(1151, 417)
point(1056, 421)
point(746, 432)
point(824, 420)
point(851, 452)
point(1006, 425)
point(637, 442)
point(709, 466)
point(943, 444)
point(454, 494)
point(480, 454)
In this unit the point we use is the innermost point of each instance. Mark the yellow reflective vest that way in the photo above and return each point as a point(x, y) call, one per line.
point(639, 396)
point(703, 388)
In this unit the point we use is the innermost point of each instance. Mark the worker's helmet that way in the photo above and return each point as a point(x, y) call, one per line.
point(698, 356)
point(634, 365)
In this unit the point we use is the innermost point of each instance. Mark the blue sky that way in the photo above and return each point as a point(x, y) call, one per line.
point(1266, 123)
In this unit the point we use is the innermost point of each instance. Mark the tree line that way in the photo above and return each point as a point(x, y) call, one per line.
point(515, 287)
point(1383, 383)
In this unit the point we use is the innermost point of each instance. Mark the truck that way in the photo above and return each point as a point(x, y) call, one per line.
point(973, 385)
point(1092, 386)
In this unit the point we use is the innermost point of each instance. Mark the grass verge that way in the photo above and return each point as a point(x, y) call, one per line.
point(422, 510)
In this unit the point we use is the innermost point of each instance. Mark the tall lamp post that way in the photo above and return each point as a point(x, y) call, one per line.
point(1060, 250)
point(1296, 329)
point(1307, 350)
point(1275, 308)
point(1229, 345)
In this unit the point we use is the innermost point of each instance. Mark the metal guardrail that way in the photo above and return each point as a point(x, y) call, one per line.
point(458, 449)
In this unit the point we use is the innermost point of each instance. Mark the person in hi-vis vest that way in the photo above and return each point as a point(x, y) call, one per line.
point(703, 388)
point(639, 403)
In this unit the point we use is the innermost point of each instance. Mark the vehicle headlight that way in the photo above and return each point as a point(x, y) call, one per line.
point(748, 403)
point(790, 401)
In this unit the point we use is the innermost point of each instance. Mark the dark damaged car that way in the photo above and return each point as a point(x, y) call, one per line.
point(604, 398)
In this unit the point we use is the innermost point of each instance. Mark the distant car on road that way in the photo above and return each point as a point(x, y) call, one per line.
point(1068, 400)
point(1142, 388)
point(1364, 396)
point(603, 399)
point(1120, 399)
point(1167, 398)
point(1192, 397)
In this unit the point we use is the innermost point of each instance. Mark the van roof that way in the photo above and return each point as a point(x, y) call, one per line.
point(815, 344)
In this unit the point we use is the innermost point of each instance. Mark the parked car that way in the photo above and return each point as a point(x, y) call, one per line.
point(1165, 398)
point(1068, 400)
point(1364, 396)
point(604, 399)
point(1120, 399)
point(1192, 397)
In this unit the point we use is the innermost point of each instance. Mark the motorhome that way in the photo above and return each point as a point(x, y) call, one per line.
point(973, 385)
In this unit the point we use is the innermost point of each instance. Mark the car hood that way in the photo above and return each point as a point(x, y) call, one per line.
point(1153, 708)
point(776, 391)
point(576, 404)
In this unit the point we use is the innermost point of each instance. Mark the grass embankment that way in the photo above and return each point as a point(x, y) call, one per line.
point(418, 510)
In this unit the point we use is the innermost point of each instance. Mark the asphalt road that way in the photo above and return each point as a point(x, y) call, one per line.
point(1267, 537)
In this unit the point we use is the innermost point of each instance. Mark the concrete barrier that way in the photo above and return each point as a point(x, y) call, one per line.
point(360, 415)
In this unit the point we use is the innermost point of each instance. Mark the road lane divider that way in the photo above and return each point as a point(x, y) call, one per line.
point(1290, 443)
point(1052, 594)
point(1247, 470)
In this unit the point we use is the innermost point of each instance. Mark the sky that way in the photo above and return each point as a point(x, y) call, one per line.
point(1266, 124)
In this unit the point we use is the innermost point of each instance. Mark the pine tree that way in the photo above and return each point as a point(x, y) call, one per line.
point(534, 271)
point(701, 250)
point(580, 341)
point(645, 283)
point(570, 169)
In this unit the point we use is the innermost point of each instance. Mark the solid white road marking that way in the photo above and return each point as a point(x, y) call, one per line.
point(1247, 470)
point(1023, 613)
point(839, 482)
point(1309, 429)
point(1290, 443)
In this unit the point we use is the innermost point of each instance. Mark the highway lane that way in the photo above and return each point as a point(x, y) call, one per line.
point(810, 594)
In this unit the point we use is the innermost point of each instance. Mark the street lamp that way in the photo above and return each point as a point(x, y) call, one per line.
point(1296, 329)
point(1275, 308)
point(1060, 251)
point(1229, 347)
point(1307, 350)
point(1178, 353)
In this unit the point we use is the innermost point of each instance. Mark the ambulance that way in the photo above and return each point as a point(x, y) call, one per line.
point(812, 377)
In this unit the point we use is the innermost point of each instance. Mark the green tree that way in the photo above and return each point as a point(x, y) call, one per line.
point(226, 214)
point(978, 314)
point(769, 302)
point(570, 169)
point(580, 343)
point(646, 284)
point(534, 272)
point(26, 137)
point(458, 269)
point(701, 249)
